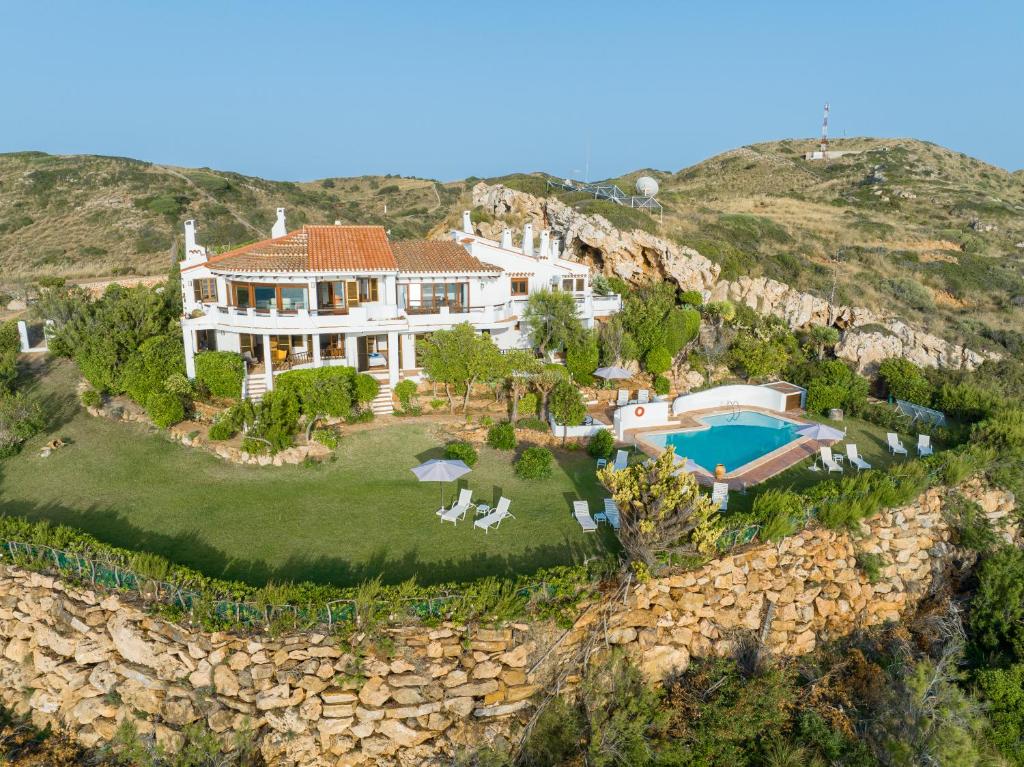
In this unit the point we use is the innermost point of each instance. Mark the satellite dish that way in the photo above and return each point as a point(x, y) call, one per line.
point(646, 186)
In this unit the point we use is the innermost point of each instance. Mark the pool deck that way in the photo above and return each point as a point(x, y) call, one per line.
point(749, 474)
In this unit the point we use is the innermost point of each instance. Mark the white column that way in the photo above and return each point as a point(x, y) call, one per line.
point(313, 297)
point(393, 357)
point(23, 335)
point(222, 291)
point(316, 350)
point(352, 350)
point(408, 351)
point(268, 363)
point(188, 337)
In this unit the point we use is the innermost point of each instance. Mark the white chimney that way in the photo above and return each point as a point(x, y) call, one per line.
point(467, 222)
point(193, 250)
point(545, 244)
point(280, 228)
point(555, 248)
point(528, 240)
point(506, 238)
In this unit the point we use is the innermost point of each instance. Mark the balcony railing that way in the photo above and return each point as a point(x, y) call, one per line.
point(423, 307)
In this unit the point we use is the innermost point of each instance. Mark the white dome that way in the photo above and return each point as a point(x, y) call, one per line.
point(646, 186)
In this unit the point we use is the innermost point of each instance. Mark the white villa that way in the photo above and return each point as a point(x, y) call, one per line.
point(346, 295)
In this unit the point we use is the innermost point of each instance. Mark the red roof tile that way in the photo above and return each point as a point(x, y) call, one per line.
point(447, 256)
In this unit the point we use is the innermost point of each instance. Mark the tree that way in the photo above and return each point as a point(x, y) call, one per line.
point(820, 338)
point(461, 358)
point(615, 342)
point(10, 345)
point(545, 381)
point(20, 418)
point(904, 380)
point(758, 358)
point(552, 320)
point(519, 368)
point(146, 371)
point(658, 360)
point(663, 513)
point(582, 357)
point(836, 385)
point(567, 405)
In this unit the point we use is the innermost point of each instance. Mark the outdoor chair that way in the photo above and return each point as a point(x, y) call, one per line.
point(602, 462)
point(458, 510)
point(623, 398)
point(895, 446)
point(828, 461)
point(465, 499)
point(495, 517)
point(621, 460)
point(581, 510)
point(720, 495)
point(854, 455)
point(611, 513)
point(924, 445)
point(643, 397)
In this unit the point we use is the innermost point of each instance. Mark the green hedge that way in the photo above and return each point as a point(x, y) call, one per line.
point(320, 391)
point(147, 370)
point(165, 409)
point(534, 463)
point(221, 373)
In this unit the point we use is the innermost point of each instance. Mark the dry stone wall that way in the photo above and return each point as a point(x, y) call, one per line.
point(636, 255)
point(86, 661)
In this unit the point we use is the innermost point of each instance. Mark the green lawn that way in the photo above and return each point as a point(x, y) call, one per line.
point(343, 522)
point(871, 444)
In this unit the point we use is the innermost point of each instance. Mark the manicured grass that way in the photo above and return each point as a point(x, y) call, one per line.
point(871, 444)
point(344, 522)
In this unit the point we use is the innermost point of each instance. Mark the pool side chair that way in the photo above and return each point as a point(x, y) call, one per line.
point(924, 445)
point(465, 499)
point(828, 461)
point(854, 456)
point(602, 462)
point(895, 446)
point(621, 460)
point(495, 517)
point(458, 511)
point(720, 495)
point(643, 397)
point(581, 510)
point(611, 513)
point(623, 398)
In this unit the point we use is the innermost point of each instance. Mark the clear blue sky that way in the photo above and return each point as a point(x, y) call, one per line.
point(300, 90)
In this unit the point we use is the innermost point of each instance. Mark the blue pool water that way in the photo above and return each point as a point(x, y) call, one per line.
point(733, 439)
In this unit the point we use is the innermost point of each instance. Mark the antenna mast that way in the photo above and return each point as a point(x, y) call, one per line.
point(824, 134)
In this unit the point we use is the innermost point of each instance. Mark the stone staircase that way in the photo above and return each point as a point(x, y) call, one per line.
point(255, 386)
point(383, 404)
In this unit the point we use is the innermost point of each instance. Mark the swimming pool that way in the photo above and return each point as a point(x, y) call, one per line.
point(733, 439)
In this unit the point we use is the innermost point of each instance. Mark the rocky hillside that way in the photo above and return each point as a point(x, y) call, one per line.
point(88, 216)
point(900, 227)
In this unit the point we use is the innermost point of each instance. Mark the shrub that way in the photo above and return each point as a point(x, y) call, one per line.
point(223, 428)
point(567, 406)
point(437, 404)
point(461, 451)
point(534, 463)
point(406, 393)
point(10, 345)
point(326, 437)
point(20, 418)
point(533, 424)
point(221, 373)
point(92, 398)
point(320, 391)
point(165, 409)
point(658, 360)
point(691, 298)
point(528, 404)
point(363, 416)
point(147, 370)
point(871, 564)
point(997, 615)
point(366, 388)
point(662, 385)
point(836, 385)
point(502, 436)
point(904, 380)
point(177, 383)
point(582, 358)
point(779, 512)
point(601, 444)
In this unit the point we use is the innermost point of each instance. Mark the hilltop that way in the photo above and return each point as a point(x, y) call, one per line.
point(907, 226)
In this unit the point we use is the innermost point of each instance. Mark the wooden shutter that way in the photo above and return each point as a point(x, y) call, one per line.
point(352, 292)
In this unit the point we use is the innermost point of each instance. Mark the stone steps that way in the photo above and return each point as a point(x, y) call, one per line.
point(383, 404)
point(255, 387)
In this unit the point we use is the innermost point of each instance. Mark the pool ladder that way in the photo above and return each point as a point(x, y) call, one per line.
point(735, 410)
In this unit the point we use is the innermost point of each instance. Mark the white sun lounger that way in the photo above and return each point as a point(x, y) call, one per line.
point(623, 398)
point(828, 461)
point(458, 510)
point(621, 460)
point(924, 445)
point(581, 510)
point(611, 513)
point(855, 459)
point(643, 397)
point(465, 499)
point(495, 517)
point(720, 495)
point(895, 446)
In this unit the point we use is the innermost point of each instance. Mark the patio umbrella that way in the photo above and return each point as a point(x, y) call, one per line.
point(821, 432)
point(440, 470)
point(612, 373)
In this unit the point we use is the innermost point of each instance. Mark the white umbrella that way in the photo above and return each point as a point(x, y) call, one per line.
point(612, 372)
point(821, 433)
point(440, 470)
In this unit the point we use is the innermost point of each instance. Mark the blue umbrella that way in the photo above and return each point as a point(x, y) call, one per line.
point(440, 470)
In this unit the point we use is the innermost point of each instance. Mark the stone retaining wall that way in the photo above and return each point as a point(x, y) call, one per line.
point(86, 661)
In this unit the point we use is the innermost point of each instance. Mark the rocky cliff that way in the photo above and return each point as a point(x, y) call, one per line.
point(86, 661)
point(635, 256)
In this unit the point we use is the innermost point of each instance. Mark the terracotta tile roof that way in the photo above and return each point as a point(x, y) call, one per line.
point(437, 256)
point(313, 249)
